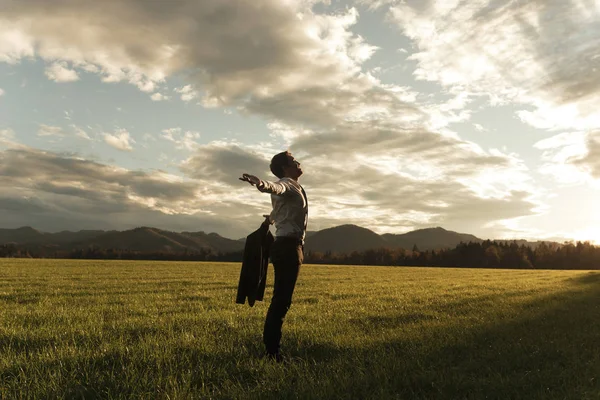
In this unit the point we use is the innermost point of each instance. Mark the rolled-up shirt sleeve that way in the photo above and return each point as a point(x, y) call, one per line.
point(280, 188)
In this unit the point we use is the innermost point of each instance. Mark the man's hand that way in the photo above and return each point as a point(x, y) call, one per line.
point(267, 220)
point(251, 179)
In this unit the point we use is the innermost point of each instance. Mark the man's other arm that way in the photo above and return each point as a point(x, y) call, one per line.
point(278, 188)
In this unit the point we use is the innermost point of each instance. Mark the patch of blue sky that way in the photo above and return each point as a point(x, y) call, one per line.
point(99, 107)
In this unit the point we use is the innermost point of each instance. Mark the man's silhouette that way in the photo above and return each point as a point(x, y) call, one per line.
point(290, 216)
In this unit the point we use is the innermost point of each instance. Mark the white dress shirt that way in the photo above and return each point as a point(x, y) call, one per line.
point(290, 207)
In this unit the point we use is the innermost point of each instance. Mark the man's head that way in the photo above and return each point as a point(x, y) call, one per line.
point(283, 165)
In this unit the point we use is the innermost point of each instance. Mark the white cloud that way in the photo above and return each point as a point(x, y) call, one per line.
point(48, 130)
point(14, 43)
point(479, 128)
point(1, 92)
point(537, 53)
point(183, 140)
point(559, 153)
point(80, 132)
point(59, 72)
point(187, 92)
point(7, 134)
point(7, 139)
point(159, 97)
point(148, 137)
point(57, 131)
point(120, 140)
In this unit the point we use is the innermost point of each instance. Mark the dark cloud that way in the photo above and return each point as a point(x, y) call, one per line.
point(21, 205)
point(330, 106)
point(591, 160)
point(83, 178)
point(224, 162)
point(378, 138)
point(233, 48)
point(53, 192)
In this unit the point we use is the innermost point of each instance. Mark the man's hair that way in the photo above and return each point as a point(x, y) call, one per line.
point(279, 161)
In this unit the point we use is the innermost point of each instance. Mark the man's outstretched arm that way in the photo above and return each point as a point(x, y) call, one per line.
point(265, 186)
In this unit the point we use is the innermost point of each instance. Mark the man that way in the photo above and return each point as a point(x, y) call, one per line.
point(290, 215)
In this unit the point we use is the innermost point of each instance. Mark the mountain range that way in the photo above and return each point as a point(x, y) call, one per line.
point(339, 239)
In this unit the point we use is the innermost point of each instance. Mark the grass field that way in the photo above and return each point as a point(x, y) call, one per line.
point(106, 329)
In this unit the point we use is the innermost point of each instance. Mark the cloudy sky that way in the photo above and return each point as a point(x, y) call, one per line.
point(479, 116)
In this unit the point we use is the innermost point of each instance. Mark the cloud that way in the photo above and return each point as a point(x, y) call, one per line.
point(590, 161)
point(7, 139)
point(405, 146)
point(48, 130)
point(57, 131)
point(59, 72)
point(159, 97)
point(224, 162)
point(537, 53)
point(53, 192)
point(83, 178)
point(359, 100)
point(14, 43)
point(344, 191)
point(183, 140)
point(7, 134)
point(303, 71)
point(559, 156)
point(1, 92)
point(120, 140)
point(392, 187)
point(187, 93)
point(480, 128)
point(80, 132)
point(233, 51)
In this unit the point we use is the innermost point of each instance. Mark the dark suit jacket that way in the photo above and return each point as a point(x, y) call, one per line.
point(254, 265)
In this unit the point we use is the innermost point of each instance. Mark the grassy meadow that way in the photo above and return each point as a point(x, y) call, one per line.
point(132, 329)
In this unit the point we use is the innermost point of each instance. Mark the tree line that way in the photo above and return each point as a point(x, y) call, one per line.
point(486, 254)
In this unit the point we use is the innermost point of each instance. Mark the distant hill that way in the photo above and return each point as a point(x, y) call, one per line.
point(148, 239)
point(348, 238)
point(216, 241)
point(69, 236)
point(29, 235)
point(344, 239)
point(429, 239)
point(25, 234)
point(142, 239)
point(339, 239)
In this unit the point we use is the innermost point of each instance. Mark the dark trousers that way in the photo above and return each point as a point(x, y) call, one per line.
point(287, 256)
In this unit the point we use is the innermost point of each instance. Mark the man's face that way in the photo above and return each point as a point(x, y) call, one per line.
point(293, 170)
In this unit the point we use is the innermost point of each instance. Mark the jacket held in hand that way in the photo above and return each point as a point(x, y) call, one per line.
point(253, 275)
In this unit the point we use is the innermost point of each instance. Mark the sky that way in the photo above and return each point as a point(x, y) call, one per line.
point(479, 116)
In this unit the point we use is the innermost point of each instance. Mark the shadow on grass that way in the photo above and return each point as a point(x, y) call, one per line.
point(550, 351)
point(373, 323)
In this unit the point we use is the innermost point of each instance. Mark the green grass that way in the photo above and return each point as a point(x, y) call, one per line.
point(106, 329)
